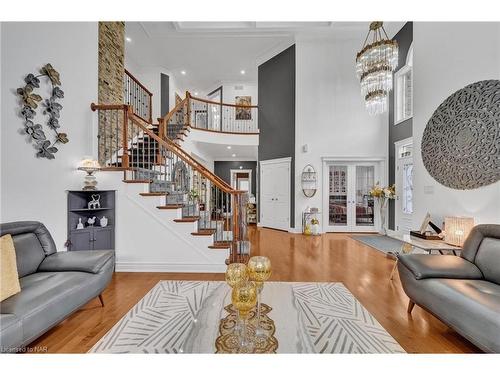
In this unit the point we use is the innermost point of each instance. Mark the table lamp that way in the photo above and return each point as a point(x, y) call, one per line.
point(90, 166)
point(457, 229)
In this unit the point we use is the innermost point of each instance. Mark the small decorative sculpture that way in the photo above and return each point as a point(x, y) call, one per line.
point(104, 221)
point(94, 203)
point(91, 221)
point(29, 102)
point(80, 224)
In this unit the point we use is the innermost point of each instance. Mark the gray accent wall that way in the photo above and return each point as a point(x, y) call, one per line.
point(223, 170)
point(403, 130)
point(164, 94)
point(276, 81)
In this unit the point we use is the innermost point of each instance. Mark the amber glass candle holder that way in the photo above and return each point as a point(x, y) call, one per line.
point(259, 270)
point(244, 298)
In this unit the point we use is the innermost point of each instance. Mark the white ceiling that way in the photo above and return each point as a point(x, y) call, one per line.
point(215, 52)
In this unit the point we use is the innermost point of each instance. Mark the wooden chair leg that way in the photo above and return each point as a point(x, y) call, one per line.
point(411, 305)
point(100, 299)
point(394, 269)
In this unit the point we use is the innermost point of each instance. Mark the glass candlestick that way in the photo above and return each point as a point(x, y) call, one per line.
point(236, 273)
point(259, 269)
point(244, 298)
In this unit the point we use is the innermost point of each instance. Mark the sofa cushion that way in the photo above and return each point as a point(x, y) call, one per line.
point(48, 297)
point(424, 266)
point(29, 253)
point(472, 307)
point(11, 332)
point(32, 241)
point(9, 279)
point(488, 259)
point(91, 261)
point(475, 237)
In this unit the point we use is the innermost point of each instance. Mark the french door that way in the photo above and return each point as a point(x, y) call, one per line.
point(404, 185)
point(347, 202)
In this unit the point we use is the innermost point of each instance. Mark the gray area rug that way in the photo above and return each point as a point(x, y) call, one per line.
point(309, 317)
point(382, 243)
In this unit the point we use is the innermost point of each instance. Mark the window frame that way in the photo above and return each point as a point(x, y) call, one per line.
point(408, 67)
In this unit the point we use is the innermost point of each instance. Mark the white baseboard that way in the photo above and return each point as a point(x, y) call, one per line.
point(169, 267)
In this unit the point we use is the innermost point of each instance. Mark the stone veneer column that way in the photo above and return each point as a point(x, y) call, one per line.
point(111, 71)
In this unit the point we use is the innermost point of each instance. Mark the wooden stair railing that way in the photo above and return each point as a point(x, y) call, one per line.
point(145, 156)
point(207, 115)
point(138, 96)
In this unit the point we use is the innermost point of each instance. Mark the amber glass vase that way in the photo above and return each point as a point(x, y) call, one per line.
point(244, 298)
point(236, 273)
point(259, 270)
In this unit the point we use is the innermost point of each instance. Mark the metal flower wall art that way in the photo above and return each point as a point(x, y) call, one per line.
point(30, 102)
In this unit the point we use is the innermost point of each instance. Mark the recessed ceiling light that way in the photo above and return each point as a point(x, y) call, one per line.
point(229, 147)
point(196, 93)
point(242, 71)
point(183, 72)
point(241, 167)
point(128, 39)
point(233, 155)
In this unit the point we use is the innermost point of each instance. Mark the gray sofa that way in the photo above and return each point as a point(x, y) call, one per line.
point(462, 291)
point(53, 284)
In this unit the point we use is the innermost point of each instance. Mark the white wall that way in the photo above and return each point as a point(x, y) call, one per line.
point(230, 90)
point(330, 115)
point(150, 77)
point(441, 67)
point(32, 188)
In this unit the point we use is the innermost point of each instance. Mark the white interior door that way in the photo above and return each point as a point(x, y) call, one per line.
point(404, 186)
point(348, 204)
point(275, 193)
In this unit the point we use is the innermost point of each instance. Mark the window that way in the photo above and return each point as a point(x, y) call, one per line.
point(403, 90)
point(407, 204)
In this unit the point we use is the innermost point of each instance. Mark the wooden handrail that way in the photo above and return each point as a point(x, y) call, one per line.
point(167, 143)
point(95, 107)
point(222, 104)
point(138, 82)
point(169, 115)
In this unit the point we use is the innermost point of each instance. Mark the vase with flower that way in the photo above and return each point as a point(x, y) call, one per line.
point(382, 195)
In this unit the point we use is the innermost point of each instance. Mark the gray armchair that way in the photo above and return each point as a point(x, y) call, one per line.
point(463, 291)
point(53, 284)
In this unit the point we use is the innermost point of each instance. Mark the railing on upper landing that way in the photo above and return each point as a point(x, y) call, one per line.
point(211, 116)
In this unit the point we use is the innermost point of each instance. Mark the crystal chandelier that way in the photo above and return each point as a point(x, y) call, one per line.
point(375, 64)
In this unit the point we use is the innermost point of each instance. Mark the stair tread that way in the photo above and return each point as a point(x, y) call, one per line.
point(137, 181)
point(170, 206)
point(204, 232)
point(191, 219)
point(220, 245)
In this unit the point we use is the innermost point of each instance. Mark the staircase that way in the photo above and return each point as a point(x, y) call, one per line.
point(151, 157)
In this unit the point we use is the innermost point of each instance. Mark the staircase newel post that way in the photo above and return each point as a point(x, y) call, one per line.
point(125, 156)
point(236, 227)
point(162, 135)
point(188, 102)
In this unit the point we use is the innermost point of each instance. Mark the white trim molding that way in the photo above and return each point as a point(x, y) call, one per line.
point(169, 267)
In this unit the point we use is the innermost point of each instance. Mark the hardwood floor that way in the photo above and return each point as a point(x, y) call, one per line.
point(331, 257)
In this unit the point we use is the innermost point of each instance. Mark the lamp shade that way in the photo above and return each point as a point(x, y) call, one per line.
point(457, 229)
point(89, 163)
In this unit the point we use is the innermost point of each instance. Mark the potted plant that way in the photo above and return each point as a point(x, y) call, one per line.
point(382, 196)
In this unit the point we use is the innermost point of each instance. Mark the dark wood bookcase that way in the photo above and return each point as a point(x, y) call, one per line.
point(92, 237)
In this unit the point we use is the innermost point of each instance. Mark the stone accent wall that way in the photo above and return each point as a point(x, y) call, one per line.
point(111, 62)
point(111, 71)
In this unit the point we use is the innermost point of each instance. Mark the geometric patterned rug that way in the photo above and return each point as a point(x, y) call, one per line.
point(323, 318)
point(338, 323)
